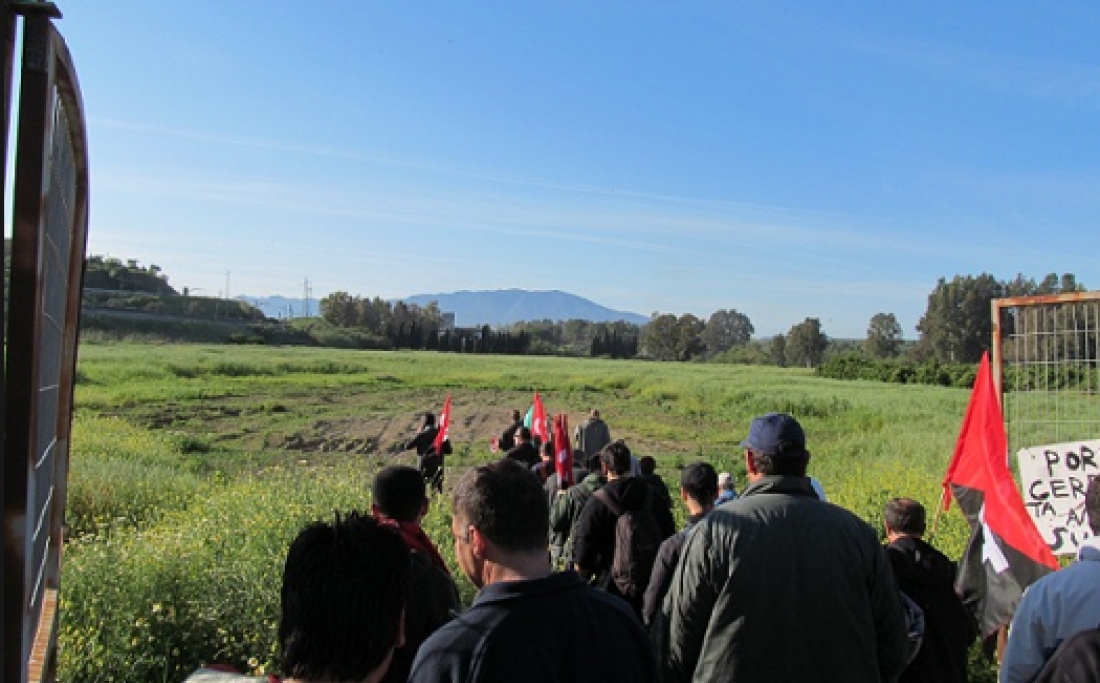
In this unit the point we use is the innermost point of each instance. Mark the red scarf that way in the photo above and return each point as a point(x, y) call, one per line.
point(416, 540)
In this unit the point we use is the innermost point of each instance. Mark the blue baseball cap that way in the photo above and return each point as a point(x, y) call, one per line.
point(775, 434)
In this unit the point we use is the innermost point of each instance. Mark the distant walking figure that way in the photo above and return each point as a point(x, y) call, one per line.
point(592, 434)
point(428, 461)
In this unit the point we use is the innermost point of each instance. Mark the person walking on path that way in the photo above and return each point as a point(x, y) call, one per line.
point(597, 538)
point(527, 622)
point(927, 577)
point(592, 435)
point(428, 461)
point(565, 512)
point(779, 585)
point(698, 490)
point(400, 501)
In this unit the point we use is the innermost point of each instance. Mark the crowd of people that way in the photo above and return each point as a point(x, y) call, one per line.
point(593, 581)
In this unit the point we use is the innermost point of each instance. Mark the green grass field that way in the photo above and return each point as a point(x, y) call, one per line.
point(194, 466)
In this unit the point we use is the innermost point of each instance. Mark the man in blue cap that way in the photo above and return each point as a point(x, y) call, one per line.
point(779, 585)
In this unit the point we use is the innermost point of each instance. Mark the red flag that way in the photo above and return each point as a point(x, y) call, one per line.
point(539, 427)
point(563, 458)
point(1006, 552)
point(444, 426)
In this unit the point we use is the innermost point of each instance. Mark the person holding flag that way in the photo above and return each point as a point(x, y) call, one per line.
point(431, 444)
point(1006, 553)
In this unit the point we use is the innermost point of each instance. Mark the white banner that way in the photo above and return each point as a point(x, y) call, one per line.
point(1054, 479)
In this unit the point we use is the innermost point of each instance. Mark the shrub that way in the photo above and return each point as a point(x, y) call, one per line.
point(199, 587)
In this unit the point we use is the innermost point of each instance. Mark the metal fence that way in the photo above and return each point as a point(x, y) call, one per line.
point(1047, 368)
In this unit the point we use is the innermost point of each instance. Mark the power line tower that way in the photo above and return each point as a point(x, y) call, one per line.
point(307, 292)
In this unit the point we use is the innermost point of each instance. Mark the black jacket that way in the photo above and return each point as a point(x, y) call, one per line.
point(539, 631)
point(432, 602)
point(594, 544)
point(928, 578)
point(526, 453)
point(659, 580)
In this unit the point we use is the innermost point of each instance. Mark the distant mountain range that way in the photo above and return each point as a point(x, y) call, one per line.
point(507, 306)
point(472, 309)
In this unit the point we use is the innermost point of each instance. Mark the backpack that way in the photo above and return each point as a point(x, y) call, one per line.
point(914, 625)
point(637, 540)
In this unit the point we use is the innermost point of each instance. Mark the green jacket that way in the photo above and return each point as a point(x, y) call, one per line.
point(781, 586)
point(566, 510)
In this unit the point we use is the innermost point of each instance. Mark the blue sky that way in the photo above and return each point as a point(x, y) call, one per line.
point(789, 160)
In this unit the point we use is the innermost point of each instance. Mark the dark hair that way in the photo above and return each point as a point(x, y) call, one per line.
point(1092, 505)
point(616, 457)
point(429, 419)
point(523, 433)
point(593, 462)
point(548, 449)
point(647, 464)
point(344, 588)
point(905, 516)
point(398, 492)
point(505, 503)
point(516, 417)
point(700, 481)
point(789, 465)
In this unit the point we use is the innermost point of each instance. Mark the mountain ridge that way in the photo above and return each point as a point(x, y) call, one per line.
point(474, 308)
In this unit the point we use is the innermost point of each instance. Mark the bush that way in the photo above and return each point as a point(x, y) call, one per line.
point(858, 366)
point(202, 586)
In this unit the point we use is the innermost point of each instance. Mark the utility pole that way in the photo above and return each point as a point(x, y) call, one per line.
point(307, 290)
point(227, 285)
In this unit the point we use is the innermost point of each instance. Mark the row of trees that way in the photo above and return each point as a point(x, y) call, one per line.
point(955, 328)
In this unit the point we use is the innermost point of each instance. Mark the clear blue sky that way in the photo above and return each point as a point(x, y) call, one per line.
point(789, 160)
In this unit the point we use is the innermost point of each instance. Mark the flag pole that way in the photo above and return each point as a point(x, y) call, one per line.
point(939, 511)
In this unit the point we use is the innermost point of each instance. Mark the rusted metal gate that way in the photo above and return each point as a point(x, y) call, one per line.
point(49, 236)
point(1047, 370)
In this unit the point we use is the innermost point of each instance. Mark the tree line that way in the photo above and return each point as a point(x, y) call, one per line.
point(956, 327)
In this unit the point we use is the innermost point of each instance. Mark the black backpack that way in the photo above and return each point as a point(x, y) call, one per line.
point(637, 540)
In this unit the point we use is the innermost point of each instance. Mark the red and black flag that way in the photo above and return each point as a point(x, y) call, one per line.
point(1006, 553)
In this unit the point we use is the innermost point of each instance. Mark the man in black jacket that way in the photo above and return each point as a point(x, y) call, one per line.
point(698, 490)
point(594, 543)
point(928, 578)
point(524, 451)
point(428, 461)
point(527, 622)
point(507, 439)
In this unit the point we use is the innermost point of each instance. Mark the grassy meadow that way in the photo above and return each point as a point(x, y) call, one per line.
point(194, 466)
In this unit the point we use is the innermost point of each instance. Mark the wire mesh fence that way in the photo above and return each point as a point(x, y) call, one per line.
point(1045, 350)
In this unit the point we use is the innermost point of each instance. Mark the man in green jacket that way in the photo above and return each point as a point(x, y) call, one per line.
point(780, 585)
point(565, 510)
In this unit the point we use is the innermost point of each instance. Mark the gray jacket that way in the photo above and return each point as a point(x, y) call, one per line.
point(781, 586)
